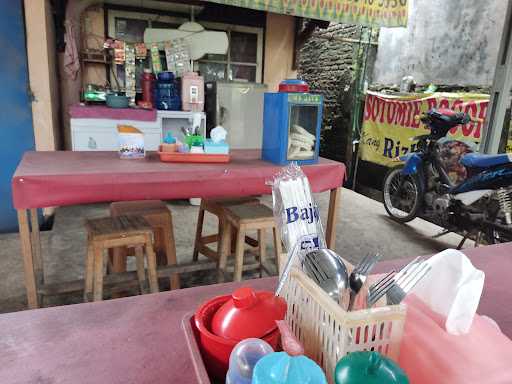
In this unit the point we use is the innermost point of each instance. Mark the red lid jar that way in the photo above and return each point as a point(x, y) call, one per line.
point(248, 314)
point(293, 85)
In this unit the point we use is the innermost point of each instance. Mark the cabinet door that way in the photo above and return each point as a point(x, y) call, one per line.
point(88, 140)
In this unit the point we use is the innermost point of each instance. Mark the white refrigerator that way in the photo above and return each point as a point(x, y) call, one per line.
point(238, 107)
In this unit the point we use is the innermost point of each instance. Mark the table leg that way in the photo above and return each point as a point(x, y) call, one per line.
point(36, 247)
point(334, 202)
point(224, 250)
point(170, 251)
point(28, 260)
point(199, 231)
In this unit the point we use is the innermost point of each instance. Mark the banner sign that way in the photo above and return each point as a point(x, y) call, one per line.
point(389, 122)
point(382, 13)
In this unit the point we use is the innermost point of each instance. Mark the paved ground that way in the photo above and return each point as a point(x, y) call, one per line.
point(363, 227)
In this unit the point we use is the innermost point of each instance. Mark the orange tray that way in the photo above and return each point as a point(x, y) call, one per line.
point(177, 157)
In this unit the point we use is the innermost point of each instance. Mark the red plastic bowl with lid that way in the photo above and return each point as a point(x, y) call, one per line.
point(217, 349)
point(248, 314)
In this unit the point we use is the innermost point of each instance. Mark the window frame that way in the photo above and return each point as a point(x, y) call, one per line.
point(112, 14)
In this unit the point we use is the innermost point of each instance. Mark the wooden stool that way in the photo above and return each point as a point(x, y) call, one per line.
point(159, 217)
point(216, 207)
point(122, 231)
point(243, 218)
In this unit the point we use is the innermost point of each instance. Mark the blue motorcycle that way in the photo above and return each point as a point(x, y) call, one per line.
point(445, 182)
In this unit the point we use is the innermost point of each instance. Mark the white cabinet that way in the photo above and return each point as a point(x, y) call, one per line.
point(101, 134)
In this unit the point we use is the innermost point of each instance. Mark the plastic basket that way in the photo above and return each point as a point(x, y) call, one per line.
point(328, 332)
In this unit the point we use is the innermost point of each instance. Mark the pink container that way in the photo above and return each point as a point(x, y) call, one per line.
point(192, 92)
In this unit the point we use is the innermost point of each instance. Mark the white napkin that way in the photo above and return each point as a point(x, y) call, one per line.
point(452, 288)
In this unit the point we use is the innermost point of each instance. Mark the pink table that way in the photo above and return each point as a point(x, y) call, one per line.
point(47, 179)
point(140, 339)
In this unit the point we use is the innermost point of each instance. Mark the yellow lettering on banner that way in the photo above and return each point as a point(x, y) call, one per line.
point(389, 122)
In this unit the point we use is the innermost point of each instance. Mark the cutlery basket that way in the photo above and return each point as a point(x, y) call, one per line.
point(328, 332)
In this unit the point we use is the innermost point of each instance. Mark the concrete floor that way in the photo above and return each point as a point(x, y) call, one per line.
point(363, 227)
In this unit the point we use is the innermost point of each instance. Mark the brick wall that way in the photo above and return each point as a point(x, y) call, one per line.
point(327, 66)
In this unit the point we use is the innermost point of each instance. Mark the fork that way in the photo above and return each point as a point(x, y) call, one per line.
point(404, 280)
point(359, 275)
point(397, 292)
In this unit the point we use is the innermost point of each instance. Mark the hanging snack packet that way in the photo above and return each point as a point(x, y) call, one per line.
point(155, 59)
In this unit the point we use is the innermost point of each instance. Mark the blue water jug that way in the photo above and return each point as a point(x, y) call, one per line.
point(167, 96)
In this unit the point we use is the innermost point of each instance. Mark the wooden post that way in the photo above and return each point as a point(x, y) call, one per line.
point(334, 202)
point(28, 261)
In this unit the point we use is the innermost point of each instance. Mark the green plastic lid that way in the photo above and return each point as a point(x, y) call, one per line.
point(368, 368)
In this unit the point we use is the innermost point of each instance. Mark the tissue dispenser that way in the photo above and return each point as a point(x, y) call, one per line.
point(220, 148)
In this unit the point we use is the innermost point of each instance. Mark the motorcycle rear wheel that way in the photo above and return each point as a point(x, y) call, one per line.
point(402, 195)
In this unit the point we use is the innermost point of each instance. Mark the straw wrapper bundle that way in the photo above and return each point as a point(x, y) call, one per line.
point(295, 210)
point(297, 215)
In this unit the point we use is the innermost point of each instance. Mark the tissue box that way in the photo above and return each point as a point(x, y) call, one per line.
point(220, 148)
point(131, 142)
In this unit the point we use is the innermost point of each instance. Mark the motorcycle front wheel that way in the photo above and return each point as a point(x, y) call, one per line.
point(401, 195)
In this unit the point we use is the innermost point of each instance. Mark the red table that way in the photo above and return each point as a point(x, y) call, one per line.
point(140, 339)
point(48, 179)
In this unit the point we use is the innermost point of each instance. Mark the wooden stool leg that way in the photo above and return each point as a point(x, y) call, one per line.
point(239, 254)
point(153, 278)
point(141, 270)
point(170, 252)
point(278, 249)
point(262, 248)
point(89, 273)
point(199, 231)
point(118, 263)
point(119, 255)
point(98, 273)
point(224, 250)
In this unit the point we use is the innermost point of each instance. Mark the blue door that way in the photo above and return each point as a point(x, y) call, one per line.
point(16, 132)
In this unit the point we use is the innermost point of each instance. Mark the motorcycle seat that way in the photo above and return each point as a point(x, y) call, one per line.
point(448, 116)
point(478, 160)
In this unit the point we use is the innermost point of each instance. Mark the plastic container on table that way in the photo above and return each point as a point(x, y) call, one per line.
point(243, 359)
point(380, 329)
point(216, 350)
point(248, 314)
point(281, 368)
point(192, 92)
point(187, 157)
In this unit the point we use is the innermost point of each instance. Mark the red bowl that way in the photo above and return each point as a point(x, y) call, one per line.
point(215, 349)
